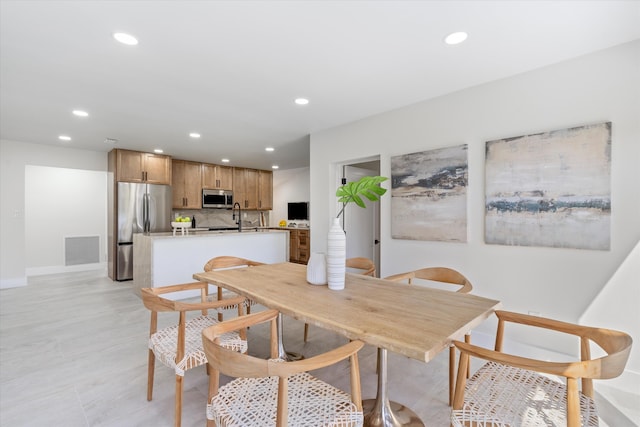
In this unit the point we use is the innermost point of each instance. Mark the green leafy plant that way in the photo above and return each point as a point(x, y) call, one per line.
point(367, 186)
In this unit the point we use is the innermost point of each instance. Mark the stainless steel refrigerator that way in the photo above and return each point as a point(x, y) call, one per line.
point(141, 208)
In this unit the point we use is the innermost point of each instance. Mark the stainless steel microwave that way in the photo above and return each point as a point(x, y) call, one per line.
point(217, 199)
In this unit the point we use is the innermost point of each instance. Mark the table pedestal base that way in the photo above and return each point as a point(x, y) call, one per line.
point(289, 356)
point(392, 414)
point(380, 411)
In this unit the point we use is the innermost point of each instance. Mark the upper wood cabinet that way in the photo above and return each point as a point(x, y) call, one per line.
point(187, 184)
point(253, 188)
point(135, 166)
point(245, 187)
point(217, 177)
point(265, 190)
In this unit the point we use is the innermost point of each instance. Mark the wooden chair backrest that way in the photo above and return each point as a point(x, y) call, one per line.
point(235, 364)
point(222, 262)
point(435, 274)
point(616, 344)
point(361, 263)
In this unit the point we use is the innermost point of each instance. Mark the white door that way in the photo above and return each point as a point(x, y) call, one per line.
point(361, 225)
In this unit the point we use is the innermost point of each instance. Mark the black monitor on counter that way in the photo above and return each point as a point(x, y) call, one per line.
point(298, 211)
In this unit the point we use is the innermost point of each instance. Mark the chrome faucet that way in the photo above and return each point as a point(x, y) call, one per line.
point(233, 215)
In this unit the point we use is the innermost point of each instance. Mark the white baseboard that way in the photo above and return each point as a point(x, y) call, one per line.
point(13, 283)
point(56, 269)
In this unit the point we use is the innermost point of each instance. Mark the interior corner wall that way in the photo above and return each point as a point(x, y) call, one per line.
point(14, 157)
point(289, 185)
point(559, 283)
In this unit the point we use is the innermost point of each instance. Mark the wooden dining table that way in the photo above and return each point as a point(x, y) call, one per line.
point(411, 320)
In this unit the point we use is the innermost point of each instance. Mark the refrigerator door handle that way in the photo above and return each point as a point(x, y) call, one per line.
point(145, 213)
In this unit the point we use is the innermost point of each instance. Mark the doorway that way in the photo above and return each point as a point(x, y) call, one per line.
point(362, 226)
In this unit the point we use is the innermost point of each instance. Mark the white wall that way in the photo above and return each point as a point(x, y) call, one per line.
point(559, 283)
point(14, 157)
point(291, 185)
point(60, 203)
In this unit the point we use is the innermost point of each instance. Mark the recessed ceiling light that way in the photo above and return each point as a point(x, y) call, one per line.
point(225, 160)
point(269, 149)
point(456, 38)
point(64, 138)
point(125, 38)
point(194, 135)
point(80, 113)
point(275, 167)
point(301, 101)
point(158, 150)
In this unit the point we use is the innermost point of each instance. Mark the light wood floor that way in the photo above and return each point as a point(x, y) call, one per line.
point(73, 352)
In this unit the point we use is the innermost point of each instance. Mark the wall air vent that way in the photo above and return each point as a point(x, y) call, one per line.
point(81, 250)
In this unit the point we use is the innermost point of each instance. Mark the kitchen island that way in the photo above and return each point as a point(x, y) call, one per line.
point(162, 259)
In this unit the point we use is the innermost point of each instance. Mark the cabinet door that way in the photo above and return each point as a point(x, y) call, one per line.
point(303, 246)
point(239, 194)
point(157, 168)
point(245, 187)
point(293, 245)
point(209, 179)
point(224, 175)
point(265, 193)
point(217, 177)
point(187, 184)
point(129, 166)
point(251, 188)
point(192, 185)
point(177, 183)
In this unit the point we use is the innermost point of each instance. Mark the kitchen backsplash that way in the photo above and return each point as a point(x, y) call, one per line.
point(222, 218)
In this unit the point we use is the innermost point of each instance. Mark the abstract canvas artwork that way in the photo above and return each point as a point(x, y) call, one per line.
point(429, 195)
point(550, 189)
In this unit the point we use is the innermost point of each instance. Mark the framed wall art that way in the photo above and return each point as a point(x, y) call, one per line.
point(429, 195)
point(550, 189)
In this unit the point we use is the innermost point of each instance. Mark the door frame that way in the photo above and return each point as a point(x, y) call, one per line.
point(371, 163)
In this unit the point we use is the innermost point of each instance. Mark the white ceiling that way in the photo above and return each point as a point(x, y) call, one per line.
point(230, 70)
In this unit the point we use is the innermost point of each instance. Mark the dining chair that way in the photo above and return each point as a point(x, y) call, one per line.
point(224, 263)
point(514, 390)
point(359, 265)
point(441, 275)
point(277, 392)
point(179, 346)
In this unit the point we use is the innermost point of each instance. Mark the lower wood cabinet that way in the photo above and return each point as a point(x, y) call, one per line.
point(299, 246)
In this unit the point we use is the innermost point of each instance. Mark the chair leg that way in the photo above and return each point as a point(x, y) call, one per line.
point(452, 372)
point(150, 373)
point(306, 331)
point(467, 339)
point(452, 368)
point(178, 409)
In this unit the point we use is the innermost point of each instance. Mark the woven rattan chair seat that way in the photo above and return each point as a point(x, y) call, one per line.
point(312, 402)
point(499, 395)
point(163, 344)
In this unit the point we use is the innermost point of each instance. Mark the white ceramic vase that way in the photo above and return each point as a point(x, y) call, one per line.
point(317, 269)
point(336, 256)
